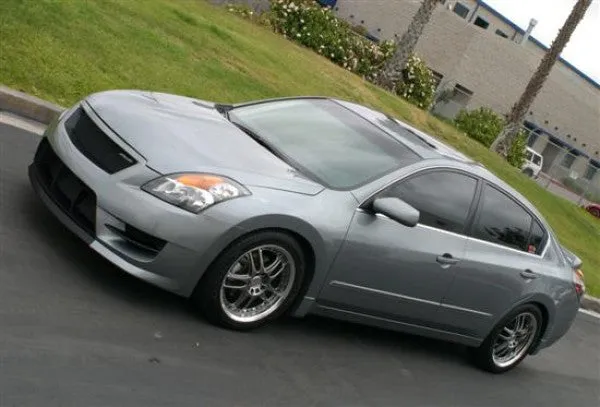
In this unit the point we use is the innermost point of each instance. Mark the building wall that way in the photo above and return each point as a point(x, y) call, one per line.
point(495, 69)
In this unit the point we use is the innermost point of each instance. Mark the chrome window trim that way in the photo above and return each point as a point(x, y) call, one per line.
point(494, 185)
point(468, 238)
point(410, 174)
point(443, 231)
point(539, 256)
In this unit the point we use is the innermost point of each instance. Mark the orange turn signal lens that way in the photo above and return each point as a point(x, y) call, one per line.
point(200, 180)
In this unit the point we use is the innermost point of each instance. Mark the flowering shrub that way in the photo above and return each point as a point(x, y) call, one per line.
point(484, 125)
point(315, 27)
point(247, 12)
point(418, 86)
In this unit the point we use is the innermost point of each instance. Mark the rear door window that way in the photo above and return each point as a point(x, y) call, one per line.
point(536, 238)
point(503, 221)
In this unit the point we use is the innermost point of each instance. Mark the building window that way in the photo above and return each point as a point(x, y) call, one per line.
point(591, 172)
point(533, 137)
point(461, 94)
point(568, 160)
point(437, 78)
point(461, 10)
point(480, 22)
point(503, 35)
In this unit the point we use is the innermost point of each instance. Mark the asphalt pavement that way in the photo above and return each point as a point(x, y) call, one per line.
point(75, 331)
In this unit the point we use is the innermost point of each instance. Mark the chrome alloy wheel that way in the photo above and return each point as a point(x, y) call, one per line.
point(514, 339)
point(257, 283)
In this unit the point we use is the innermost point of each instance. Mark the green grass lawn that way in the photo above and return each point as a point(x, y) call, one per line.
point(63, 50)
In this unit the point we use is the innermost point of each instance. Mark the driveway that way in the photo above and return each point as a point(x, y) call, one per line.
point(75, 331)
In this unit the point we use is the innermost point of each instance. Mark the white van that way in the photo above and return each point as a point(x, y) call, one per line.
point(533, 163)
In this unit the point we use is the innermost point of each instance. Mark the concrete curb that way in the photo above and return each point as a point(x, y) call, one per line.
point(41, 111)
point(28, 106)
point(591, 303)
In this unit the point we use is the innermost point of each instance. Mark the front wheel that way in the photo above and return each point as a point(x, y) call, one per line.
point(252, 282)
point(510, 341)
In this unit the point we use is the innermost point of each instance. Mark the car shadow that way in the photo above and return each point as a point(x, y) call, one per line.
point(84, 264)
point(382, 339)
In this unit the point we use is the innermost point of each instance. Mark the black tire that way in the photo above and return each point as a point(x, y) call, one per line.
point(595, 212)
point(482, 356)
point(206, 296)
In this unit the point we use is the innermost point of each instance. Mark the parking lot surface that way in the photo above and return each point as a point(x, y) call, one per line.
point(75, 331)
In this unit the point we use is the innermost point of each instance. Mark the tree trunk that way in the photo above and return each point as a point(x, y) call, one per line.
point(517, 114)
point(391, 74)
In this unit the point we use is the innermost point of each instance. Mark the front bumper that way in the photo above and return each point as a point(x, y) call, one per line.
point(148, 238)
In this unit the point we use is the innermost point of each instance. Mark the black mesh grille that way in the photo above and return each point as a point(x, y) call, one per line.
point(95, 144)
point(66, 190)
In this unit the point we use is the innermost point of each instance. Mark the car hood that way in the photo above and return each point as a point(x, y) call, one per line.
point(182, 134)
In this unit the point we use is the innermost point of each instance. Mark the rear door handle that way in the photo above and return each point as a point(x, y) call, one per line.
point(447, 258)
point(528, 274)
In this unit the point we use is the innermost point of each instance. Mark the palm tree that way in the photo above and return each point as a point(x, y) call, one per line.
point(392, 72)
point(517, 114)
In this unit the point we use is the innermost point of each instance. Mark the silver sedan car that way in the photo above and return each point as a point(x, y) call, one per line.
point(309, 206)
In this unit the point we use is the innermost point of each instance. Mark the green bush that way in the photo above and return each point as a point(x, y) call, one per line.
point(516, 153)
point(482, 124)
point(247, 12)
point(315, 27)
point(418, 86)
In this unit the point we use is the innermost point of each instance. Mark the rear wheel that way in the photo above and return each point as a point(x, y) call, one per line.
point(595, 212)
point(528, 172)
point(510, 341)
point(254, 281)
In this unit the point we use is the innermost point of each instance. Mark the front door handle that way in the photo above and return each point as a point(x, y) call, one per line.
point(528, 274)
point(447, 258)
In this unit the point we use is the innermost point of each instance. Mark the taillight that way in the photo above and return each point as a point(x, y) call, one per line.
point(578, 281)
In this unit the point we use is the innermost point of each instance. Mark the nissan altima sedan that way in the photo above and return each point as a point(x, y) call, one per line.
point(309, 206)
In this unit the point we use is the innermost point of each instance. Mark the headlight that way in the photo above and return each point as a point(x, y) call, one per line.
point(194, 192)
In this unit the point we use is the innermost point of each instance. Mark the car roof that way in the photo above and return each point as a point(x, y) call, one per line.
point(436, 147)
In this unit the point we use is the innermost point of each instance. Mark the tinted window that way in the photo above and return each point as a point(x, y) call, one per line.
point(537, 160)
point(536, 239)
point(502, 220)
point(325, 140)
point(443, 198)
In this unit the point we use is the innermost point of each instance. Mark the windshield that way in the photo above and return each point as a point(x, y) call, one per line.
point(325, 140)
point(390, 124)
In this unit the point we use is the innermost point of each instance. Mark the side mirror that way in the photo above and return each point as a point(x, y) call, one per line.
point(397, 210)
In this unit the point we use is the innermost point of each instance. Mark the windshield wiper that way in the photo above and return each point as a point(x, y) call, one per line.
point(261, 141)
point(223, 109)
point(298, 169)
